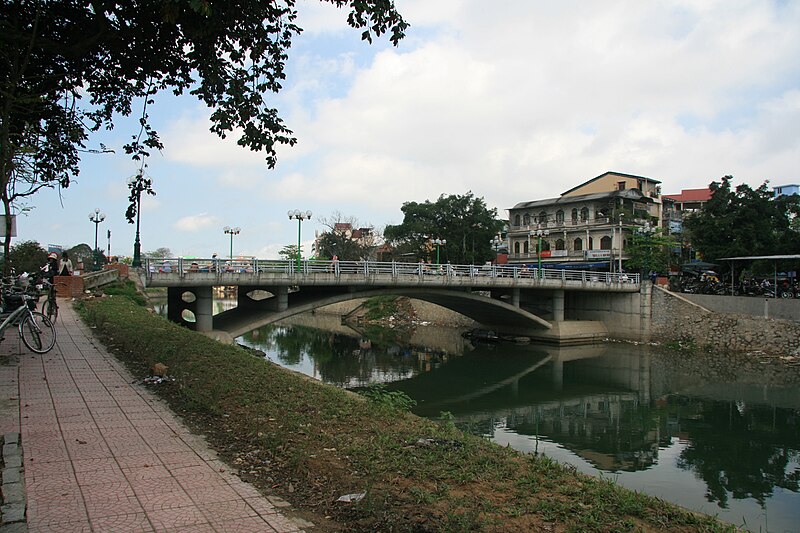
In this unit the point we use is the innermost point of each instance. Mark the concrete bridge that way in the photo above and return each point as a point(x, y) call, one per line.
point(553, 305)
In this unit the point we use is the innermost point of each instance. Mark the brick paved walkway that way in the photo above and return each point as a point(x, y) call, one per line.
point(103, 454)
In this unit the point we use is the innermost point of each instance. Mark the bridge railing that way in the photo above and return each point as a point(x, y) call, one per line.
point(252, 265)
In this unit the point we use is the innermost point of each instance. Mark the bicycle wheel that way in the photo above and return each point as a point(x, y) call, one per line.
point(50, 309)
point(37, 332)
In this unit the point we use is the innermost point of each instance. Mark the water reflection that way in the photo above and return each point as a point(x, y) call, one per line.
point(724, 443)
point(348, 361)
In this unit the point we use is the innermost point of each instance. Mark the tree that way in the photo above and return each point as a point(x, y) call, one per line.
point(462, 220)
point(649, 251)
point(160, 253)
point(744, 222)
point(26, 256)
point(69, 67)
point(289, 252)
point(346, 239)
point(81, 254)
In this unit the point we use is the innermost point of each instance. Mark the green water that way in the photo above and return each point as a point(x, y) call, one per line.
point(691, 430)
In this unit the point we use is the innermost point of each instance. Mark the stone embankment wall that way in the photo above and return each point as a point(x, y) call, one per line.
point(675, 318)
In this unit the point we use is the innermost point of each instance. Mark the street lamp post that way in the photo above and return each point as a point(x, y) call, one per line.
point(621, 241)
point(540, 233)
point(137, 184)
point(439, 243)
point(300, 216)
point(231, 231)
point(97, 217)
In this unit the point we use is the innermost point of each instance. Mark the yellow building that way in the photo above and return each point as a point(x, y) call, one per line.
point(587, 226)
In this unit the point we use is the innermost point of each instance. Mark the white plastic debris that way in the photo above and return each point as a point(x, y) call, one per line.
point(355, 497)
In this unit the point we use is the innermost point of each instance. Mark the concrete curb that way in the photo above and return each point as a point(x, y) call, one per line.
point(12, 512)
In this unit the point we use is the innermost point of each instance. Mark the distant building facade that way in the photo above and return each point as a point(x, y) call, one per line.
point(786, 190)
point(588, 225)
point(690, 200)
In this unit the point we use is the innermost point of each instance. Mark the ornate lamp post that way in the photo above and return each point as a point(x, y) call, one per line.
point(137, 184)
point(300, 216)
point(231, 231)
point(439, 243)
point(540, 233)
point(97, 217)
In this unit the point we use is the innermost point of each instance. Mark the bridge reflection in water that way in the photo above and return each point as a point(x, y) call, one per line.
point(718, 440)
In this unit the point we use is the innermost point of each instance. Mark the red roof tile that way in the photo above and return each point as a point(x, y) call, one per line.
point(691, 195)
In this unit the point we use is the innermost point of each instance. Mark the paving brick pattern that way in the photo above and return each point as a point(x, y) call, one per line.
point(101, 453)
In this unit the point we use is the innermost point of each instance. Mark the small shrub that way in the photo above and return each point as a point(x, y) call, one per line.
point(380, 395)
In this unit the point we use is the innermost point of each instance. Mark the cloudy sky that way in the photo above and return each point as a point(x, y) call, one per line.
point(514, 100)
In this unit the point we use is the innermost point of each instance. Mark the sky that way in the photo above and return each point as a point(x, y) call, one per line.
point(515, 101)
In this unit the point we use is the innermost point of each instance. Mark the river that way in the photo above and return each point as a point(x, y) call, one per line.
point(705, 431)
point(691, 430)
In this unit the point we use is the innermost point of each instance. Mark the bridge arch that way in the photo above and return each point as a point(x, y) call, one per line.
point(483, 309)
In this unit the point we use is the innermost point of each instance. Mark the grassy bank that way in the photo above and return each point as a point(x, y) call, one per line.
point(312, 443)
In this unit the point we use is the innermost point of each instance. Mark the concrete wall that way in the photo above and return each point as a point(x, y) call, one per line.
point(625, 315)
point(98, 279)
point(788, 309)
point(676, 318)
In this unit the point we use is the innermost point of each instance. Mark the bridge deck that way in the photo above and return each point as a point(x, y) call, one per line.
point(264, 273)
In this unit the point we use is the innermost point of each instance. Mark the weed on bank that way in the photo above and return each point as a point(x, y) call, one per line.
point(312, 443)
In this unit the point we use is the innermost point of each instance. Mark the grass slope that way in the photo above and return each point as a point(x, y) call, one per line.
point(311, 443)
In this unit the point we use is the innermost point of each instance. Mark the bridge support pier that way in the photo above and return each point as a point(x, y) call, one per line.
point(281, 298)
point(204, 310)
point(175, 305)
point(515, 297)
point(179, 299)
point(558, 306)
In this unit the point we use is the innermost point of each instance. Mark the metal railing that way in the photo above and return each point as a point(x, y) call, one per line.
point(366, 269)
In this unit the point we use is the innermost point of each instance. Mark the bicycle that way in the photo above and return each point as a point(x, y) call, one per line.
point(35, 329)
point(50, 306)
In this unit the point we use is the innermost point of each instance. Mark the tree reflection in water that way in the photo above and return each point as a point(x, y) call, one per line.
point(342, 360)
point(741, 450)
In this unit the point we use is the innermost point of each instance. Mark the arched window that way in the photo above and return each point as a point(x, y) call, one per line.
point(545, 245)
point(575, 216)
point(526, 219)
point(591, 244)
point(577, 244)
point(516, 247)
point(560, 217)
point(585, 215)
point(560, 244)
point(605, 243)
point(542, 217)
point(516, 220)
point(525, 248)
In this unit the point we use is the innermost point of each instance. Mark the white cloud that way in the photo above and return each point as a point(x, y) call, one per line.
point(514, 101)
point(196, 223)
